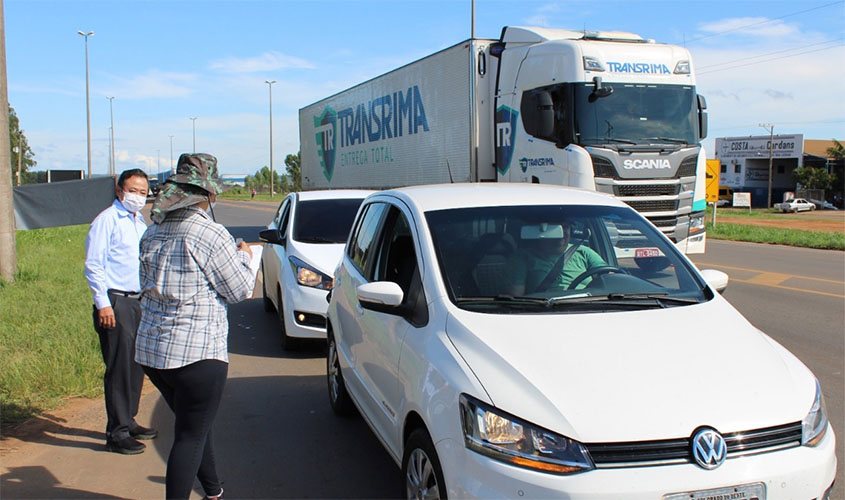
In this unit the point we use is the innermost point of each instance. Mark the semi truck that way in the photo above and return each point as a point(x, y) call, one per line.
point(607, 111)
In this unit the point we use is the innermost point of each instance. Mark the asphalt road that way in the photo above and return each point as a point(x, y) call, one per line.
point(276, 436)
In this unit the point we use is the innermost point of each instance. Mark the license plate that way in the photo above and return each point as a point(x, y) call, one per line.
point(647, 252)
point(755, 491)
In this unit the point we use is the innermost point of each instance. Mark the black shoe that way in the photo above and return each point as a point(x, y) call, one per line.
point(140, 432)
point(127, 446)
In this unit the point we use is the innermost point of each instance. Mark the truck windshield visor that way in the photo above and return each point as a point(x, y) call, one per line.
point(635, 114)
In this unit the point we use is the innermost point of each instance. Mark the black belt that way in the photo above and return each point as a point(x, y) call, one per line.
point(131, 295)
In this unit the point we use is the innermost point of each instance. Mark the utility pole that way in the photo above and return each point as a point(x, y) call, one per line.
point(170, 166)
point(112, 165)
point(194, 120)
point(87, 99)
point(270, 86)
point(20, 153)
point(771, 128)
point(8, 253)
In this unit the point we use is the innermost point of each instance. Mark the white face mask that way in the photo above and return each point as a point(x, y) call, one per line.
point(133, 202)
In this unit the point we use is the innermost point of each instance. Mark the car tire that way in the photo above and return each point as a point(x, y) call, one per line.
point(288, 343)
point(342, 404)
point(421, 471)
point(268, 304)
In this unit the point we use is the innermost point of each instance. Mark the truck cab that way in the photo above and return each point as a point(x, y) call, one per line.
point(604, 111)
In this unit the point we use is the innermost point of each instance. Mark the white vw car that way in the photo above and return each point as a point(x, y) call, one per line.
point(303, 245)
point(503, 342)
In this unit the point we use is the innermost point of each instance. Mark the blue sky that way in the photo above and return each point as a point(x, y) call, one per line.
point(771, 61)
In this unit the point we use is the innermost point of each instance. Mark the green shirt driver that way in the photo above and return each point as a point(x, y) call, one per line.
point(545, 245)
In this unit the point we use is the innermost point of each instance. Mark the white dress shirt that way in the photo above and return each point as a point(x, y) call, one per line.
point(112, 252)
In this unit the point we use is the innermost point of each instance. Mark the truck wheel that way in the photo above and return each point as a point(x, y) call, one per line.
point(338, 397)
point(288, 343)
point(421, 468)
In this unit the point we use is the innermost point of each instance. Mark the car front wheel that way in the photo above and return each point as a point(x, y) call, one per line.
point(268, 304)
point(421, 468)
point(338, 397)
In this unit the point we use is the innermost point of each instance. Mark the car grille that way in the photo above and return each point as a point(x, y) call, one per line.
point(602, 167)
point(653, 205)
point(678, 451)
point(647, 189)
point(687, 168)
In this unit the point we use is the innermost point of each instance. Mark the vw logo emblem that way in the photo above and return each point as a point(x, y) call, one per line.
point(708, 448)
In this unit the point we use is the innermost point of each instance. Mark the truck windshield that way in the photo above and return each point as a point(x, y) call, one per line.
point(638, 114)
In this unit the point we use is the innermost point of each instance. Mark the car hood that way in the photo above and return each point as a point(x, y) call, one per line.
point(323, 256)
point(630, 376)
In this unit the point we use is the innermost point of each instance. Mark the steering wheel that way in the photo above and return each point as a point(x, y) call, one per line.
point(593, 272)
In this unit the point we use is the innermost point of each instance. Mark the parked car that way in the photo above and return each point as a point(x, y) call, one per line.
point(484, 379)
point(726, 196)
point(797, 205)
point(304, 242)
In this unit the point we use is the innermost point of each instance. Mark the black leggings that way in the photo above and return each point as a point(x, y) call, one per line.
point(193, 392)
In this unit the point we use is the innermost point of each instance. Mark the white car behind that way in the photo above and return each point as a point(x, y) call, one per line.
point(303, 244)
point(626, 381)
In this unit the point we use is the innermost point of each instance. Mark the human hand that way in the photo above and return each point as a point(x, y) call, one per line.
point(105, 317)
point(243, 247)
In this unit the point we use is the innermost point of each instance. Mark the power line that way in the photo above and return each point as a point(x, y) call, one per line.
point(770, 53)
point(769, 60)
point(762, 22)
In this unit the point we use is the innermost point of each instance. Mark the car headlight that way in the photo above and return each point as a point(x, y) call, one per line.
point(501, 436)
point(696, 224)
point(308, 276)
point(814, 425)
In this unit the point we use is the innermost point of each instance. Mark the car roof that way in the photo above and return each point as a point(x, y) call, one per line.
point(465, 195)
point(333, 194)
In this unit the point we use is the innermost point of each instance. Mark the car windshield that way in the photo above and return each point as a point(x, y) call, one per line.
point(636, 114)
point(324, 221)
point(561, 258)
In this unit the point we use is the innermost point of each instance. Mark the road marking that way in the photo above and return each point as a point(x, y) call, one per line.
point(770, 279)
point(758, 271)
point(774, 280)
point(791, 288)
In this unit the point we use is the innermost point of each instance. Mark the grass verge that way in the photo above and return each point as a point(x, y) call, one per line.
point(777, 236)
point(48, 347)
point(258, 197)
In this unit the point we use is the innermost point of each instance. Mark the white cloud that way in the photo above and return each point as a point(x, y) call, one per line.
point(751, 26)
point(268, 61)
point(152, 84)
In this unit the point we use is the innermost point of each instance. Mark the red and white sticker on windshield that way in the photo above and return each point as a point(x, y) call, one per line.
point(646, 252)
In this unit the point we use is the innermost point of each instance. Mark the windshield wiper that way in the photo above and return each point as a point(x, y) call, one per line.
point(634, 299)
point(502, 299)
point(317, 239)
point(669, 139)
point(609, 139)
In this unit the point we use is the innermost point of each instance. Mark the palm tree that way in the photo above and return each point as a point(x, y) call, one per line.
point(836, 151)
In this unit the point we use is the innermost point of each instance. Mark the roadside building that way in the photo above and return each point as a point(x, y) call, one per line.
point(236, 179)
point(744, 164)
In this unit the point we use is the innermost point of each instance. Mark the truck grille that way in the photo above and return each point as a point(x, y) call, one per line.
point(602, 167)
point(653, 205)
point(687, 168)
point(678, 451)
point(663, 221)
point(647, 190)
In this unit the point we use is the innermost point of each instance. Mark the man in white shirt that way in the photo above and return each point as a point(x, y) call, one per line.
point(112, 270)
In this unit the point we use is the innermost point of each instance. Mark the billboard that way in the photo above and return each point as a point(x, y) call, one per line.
point(782, 146)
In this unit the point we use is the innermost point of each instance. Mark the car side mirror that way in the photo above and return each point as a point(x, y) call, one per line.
point(271, 236)
point(382, 296)
point(716, 279)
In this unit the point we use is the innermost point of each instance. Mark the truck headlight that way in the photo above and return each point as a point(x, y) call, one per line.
point(308, 276)
point(696, 224)
point(496, 434)
point(814, 425)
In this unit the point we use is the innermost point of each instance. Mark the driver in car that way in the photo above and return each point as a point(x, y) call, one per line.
point(548, 261)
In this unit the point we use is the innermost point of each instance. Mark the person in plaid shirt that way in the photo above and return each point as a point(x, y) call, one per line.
point(190, 269)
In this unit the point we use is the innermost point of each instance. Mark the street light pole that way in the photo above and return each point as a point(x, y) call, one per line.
point(20, 154)
point(112, 165)
point(270, 87)
point(170, 165)
point(87, 98)
point(771, 128)
point(158, 164)
point(194, 120)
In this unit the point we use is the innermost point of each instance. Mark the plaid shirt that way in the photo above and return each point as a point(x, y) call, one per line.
point(190, 269)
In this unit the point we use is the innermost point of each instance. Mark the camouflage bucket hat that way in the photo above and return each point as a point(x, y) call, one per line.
point(196, 178)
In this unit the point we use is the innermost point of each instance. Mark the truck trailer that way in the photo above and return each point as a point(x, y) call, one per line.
point(606, 111)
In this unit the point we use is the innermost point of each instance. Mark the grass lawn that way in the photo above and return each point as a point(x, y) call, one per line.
point(778, 236)
point(244, 196)
point(48, 347)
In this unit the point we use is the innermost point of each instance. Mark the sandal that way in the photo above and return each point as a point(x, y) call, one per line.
point(218, 496)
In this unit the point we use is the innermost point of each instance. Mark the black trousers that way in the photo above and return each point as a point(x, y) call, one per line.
point(193, 392)
point(124, 377)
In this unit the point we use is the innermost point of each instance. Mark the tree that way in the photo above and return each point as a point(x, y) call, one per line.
point(294, 169)
point(836, 151)
point(18, 140)
point(813, 177)
point(261, 180)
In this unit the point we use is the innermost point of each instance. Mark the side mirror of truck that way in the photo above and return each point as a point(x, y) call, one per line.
point(538, 116)
point(702, 117)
